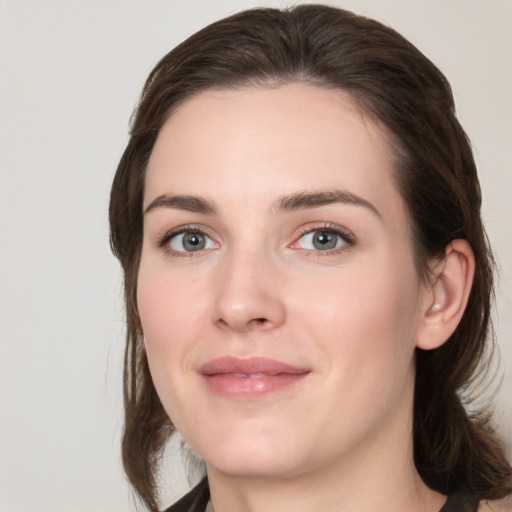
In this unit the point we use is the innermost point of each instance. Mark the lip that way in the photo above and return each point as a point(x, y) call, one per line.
point(249, 378)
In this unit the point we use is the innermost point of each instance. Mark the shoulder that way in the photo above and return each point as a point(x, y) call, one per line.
point(503, 505)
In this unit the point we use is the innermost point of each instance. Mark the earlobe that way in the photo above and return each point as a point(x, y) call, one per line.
point(447, 295)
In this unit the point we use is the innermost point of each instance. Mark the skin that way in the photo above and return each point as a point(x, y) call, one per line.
point(340, 438)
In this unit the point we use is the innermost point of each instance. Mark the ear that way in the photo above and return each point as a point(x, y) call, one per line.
point(446, 295)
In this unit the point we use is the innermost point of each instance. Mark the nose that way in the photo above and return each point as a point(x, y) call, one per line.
point(248, 293)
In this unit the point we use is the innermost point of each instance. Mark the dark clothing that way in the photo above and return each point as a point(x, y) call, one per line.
point(461, 501)
point(197, 499)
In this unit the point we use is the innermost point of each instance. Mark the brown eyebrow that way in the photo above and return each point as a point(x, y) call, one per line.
point(304, 200)
point(292, 202)
point(183, 202)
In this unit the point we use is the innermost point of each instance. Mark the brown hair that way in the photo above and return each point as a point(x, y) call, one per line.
point(392, 82)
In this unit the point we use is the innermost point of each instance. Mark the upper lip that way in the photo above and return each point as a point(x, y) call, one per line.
point(230, 365)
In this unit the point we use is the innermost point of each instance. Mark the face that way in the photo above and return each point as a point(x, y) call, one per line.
point(277, 290)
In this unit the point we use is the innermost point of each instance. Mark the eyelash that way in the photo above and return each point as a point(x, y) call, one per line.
point(164, 241)
point(347, 236)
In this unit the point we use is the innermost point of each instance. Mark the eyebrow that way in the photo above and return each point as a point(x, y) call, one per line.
point(316, 199)
point(287, 203)
point(183, 202)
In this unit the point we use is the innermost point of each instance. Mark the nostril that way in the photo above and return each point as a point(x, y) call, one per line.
point(243, 325)
point(257, 323)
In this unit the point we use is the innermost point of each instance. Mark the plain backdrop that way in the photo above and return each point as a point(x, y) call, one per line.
point(71, 72)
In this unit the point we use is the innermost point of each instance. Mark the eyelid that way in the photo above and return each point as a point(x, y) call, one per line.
point(345, 234)
point(163, 241)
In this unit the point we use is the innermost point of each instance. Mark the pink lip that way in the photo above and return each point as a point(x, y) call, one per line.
point(250, 378)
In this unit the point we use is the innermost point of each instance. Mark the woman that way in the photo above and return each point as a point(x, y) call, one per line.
point(307, 277)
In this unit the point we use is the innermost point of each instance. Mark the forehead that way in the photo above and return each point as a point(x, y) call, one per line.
point(254, 143)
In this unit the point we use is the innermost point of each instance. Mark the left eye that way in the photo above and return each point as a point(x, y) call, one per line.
point(191, 241)
point(319, 240)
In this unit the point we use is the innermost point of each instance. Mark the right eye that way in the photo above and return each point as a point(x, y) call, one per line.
point(190, 241)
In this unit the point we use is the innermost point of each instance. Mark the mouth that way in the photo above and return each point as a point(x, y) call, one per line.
point(249, 379)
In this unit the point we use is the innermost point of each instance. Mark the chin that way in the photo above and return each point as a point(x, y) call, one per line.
point(257, 467)
point(249, 455)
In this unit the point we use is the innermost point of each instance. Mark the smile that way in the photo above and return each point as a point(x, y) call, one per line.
point(249, 379)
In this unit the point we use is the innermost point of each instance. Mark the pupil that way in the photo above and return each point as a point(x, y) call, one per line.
point(323, 240)
point(193, 242)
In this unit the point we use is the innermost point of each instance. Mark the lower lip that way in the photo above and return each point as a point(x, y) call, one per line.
point(251, 387)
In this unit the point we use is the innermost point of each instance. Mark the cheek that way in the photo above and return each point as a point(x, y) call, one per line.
point(168, 310)
point(169, 313)
point(155, 310)
point(366, 319)
point(169, 305)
